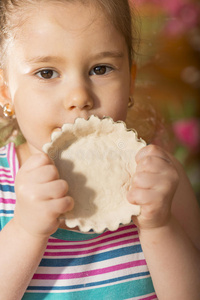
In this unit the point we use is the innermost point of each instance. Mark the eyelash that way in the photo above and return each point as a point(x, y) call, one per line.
point(46, 70)
point(106, 70)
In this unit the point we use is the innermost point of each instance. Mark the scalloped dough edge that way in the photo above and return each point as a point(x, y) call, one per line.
point(78, 129)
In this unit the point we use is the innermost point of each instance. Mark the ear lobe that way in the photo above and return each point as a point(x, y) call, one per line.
point(4, 90)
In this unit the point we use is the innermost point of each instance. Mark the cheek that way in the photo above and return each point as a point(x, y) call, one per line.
point(120, 113)
point(24, 107)
point(28, 104)
point(119, 105)
point(117, 110)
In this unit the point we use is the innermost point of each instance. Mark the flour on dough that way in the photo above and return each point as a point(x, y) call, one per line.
point(97, 159)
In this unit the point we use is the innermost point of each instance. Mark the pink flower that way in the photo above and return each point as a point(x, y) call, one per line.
point(188, 133)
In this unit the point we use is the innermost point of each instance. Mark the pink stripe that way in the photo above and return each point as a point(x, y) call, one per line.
point(149, 298)
point(7, 201)
point(14, 161)
point(7, 181)
point(3, 170)
point(90, 273)
point(107, 233)
point(112, 238)
point(7, 176)
point(74, 253)
point(11, 158)
point(8, 157)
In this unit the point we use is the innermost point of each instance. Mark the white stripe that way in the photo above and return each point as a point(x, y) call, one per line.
point(145, 296)
point(84, 254)
point(10, 157)
point(126, 240)
point(83, 282)
point(94, 266)
point(8, 195)
point(94, 278)
point(6, 206)
point(97, 239)
point(9, 181)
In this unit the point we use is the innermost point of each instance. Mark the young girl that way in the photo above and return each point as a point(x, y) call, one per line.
point(61, 60)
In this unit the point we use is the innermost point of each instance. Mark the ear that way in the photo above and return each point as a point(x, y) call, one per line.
point(132, 77)
point(4, 90)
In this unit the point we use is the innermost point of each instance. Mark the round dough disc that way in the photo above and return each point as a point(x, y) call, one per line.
point(97, 159)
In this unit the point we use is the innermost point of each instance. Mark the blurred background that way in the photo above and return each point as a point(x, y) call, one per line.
point(167, 92)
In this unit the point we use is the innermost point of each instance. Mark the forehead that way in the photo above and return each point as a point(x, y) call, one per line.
point(75, 15)
point(64, 23)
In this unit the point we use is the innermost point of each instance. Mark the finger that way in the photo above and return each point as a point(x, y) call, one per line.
point(139, 196)
point(60, 206)
point(153, 164)
point(44, 174)
point(35, 161)
point(51, 190)
point(57, 189)
point(144, 180)
point(152, 150)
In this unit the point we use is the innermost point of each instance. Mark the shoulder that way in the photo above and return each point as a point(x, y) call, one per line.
point(185, 206)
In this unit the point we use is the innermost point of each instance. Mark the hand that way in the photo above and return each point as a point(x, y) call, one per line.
point(41, 196)
point(154, 185)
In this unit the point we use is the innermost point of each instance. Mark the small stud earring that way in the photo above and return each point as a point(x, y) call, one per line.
point(8, 111)
point(130, 102)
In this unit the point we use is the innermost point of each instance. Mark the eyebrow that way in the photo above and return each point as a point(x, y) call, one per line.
point(56, 59)
point(111, 54)
point(44, 59)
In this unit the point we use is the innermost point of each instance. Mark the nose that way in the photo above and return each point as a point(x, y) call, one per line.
point(80, 98)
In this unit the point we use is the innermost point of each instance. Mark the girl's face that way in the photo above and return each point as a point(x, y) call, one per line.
point(66, 61)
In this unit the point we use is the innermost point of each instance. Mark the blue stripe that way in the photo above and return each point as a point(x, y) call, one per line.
point(6, 212)
point(68, 235)
point(7, 188)
point(91, 284)
point(90, 259)
point(124, 290)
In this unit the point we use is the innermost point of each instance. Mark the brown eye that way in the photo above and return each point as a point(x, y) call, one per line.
point(101, 70)
point(47, 74)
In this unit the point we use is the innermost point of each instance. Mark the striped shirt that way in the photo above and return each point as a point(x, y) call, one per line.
point(76, 265)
